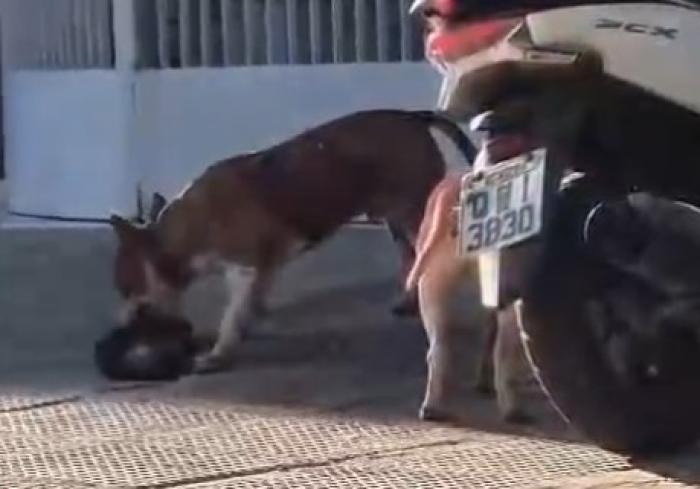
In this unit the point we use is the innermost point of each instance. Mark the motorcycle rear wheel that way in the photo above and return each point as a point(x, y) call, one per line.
point(570, 361)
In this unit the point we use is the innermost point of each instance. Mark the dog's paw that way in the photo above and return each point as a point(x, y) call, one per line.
point(211, 363)
point(434, 414)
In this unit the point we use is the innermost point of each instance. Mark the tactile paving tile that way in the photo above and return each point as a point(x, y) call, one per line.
point(20, 399)
point(39, 484)
point(494, 461)
point(123, 444)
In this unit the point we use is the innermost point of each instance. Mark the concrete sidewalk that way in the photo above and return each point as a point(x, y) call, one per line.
point(324, 394)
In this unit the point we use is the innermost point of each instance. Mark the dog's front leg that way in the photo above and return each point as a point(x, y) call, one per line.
point(434, 407)
point(239, 313)
point(434, 311)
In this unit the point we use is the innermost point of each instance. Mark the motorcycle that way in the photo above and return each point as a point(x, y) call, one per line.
point(581, 205)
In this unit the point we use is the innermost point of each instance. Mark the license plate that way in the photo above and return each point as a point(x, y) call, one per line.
point(501, 205)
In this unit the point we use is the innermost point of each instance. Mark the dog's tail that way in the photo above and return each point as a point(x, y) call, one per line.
point(451, 129)
point(436, 224)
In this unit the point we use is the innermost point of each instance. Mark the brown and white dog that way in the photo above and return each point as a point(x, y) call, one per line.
point(250, 214)
point(449, 299)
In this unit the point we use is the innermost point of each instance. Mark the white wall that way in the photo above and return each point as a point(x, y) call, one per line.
point(67, 142)
point(78, 142)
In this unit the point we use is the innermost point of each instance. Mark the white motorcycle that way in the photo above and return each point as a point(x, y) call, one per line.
point(580, 204)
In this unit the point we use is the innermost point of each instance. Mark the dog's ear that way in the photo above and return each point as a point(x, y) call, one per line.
point(157, 205)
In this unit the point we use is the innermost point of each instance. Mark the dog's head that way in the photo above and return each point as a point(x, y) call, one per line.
point(144, 274)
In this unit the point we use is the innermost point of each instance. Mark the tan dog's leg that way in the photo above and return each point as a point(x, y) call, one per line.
point(436, 275)
point(434, 407)
point(435, 294)
point(508, 367)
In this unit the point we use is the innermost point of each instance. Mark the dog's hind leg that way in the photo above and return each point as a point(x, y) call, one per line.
point(407, 303)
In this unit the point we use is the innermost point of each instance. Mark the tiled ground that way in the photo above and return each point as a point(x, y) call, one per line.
point(305, 407)
point(324, 395)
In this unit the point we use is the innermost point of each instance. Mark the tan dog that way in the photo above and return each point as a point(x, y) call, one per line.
point(250, 214)
point(449, 298)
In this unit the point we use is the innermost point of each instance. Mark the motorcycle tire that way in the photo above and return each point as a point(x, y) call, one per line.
point(569, 358)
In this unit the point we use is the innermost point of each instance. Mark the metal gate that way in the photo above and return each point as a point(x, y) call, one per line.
point(189, 33)
point(58, 34)
point(79, 34)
